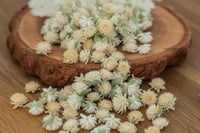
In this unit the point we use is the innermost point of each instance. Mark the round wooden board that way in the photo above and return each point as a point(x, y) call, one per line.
point(169, 47)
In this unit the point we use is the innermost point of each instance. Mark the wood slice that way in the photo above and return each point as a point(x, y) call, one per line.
point(169, 47)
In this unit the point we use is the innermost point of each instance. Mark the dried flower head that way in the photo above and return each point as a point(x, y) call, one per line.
point(84, 56)
point(93, 96)
point(71, 126)
point(127, 127)
point(160, 122)
point(87, 122)
point(53, 107)
point(120, 103)
point(70, 113)
point(167, 101)
point(106, 27)
point(152, 129)
point(135, 117)
point(79, 87)
point(109, 63)
point(52, 122)
point(113, 122)
point(105, 88)
point(75, 101)
point(43, 48)
point(102, 114)
point(18, 100)
point(149, 97)
point(154, 111)
point(124, 67)
point(97, 56)
point(35, 107)
point(157, 84)
point(31, 86)
point(70, 56)
point(101, 129)
point(106, 104)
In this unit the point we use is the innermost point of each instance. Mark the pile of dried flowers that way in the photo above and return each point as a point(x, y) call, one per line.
point(92, 31)
point(94, 99)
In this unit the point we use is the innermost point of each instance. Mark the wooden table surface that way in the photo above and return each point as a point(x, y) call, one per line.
point(182, 80)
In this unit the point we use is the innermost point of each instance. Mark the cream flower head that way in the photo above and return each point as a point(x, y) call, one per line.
point(152, 129)
point(51, 37)
point(84, 56)
point(100, 46)
point(18, 100)
point(127, 127)
point(106, 75)
point(154, 111)
point(135, 117)
point(160, 122)
point(88, 44)
point(43, 48)
point(71, 125)
point(130, 47)
point(102, 114)
point(118, 55)
point(105, 88)
point(149, 97)
point(124, 67)
point(97, 56)
point(79, 87)
point(70, 56)
point(70, 113)
point(53, 107)
point(106, 104)
point(64, 43)
point(167, 101)
point(68, 90)
point(109, 63)
point(106, 27)
point(120, 103)
point(93, 96)
point(157, 84)
point(89, 31)
point(31, 86)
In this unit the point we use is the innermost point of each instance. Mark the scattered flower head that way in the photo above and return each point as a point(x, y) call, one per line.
point(31, 86)
point(87, 122)
point(152, 129)
point(167, 101)
point(71, 126)
point(149, 97)
point(154, 111)
point(18, 100)
point(113, 122)
point(127, 127)
point(52, 122)
point(135, 117)
point(35, 107)
point(157, 84)
point(160, 122)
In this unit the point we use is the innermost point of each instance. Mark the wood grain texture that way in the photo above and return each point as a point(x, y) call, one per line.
point(25, 35)
point(183, 80)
